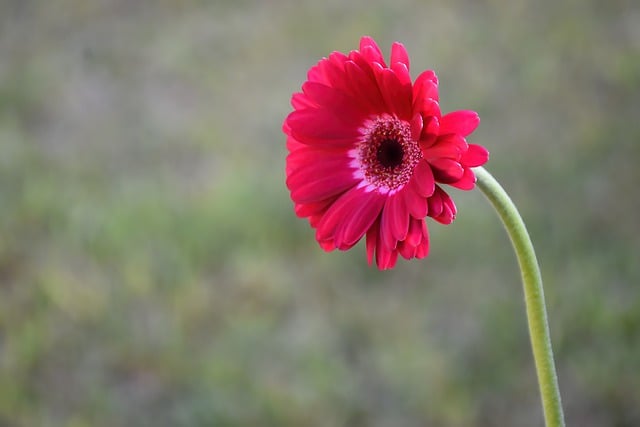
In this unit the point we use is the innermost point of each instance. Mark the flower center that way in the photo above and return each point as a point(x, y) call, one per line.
point(390, 153)
point(387, 155)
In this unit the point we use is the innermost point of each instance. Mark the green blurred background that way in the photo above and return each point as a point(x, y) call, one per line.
point(152, 272)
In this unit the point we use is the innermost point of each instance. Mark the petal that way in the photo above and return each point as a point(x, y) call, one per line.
point(441, 207)
point(312, 209)
point(424, 179)
point(331, 71)
point(372, 240)
point(402, 72)
point(340, 211)
point(467, 182)
point(357, 222)
point(446, 170)
point(416, 127)
point(396, 96)
point(320, 181)
point(385, 258)
point(300, 155)
point(365, 88)
point(395, 217)
point(300, 101)
point(450, 146)
point(476, 155)
point(335, 100)
point(462, 122)
point(399, 54)
point(430, 131)
point(370, 51)
point(425, 89)
point(311, 125)
point(415, 203)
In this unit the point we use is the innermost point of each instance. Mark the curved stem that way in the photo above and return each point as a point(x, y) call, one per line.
point(533, 295)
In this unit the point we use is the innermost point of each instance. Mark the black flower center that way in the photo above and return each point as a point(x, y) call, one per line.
point(390, 153)
point(387, 154)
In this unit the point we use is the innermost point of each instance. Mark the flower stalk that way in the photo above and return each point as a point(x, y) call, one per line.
point(533, 295)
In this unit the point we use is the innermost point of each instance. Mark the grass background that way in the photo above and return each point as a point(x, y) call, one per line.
point(152, 272)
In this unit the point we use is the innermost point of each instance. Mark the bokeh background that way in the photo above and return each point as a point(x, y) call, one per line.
point(152, 272)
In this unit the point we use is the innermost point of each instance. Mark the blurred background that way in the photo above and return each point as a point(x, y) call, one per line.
point(153, 273)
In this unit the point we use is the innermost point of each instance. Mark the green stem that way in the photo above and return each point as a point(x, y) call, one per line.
point(533, 295)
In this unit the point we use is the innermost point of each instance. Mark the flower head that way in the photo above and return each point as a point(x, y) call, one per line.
point(369, 151)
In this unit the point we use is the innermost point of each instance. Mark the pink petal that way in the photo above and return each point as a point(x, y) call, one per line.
point(422, 250)
point(416, 127)
point(435, 203)
point(415, 203)
point(396, 216)
point(385, 258)
point(313, 209)
point(462, 122)
point(414, 237)
point(425, 88)
point(424, 179)
point(402, 72)
point(430, 130)
point(310, 125)
point(300, 101)
point(340, 211)
point(446, 170)
point(330, 71)
point(372, 240)
point(407, 251)
point(467, 182)
point(357, 222)
point(396, 97)
point(475, 156)
point(318, 182)
point(399, 54)
point(441, 207)
point(302, 154)
point(365, 88)
point(370, 50)
point(450, 146)
point(335, 100)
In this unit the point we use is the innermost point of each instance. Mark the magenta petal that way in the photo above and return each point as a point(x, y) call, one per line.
point(415, 203)
point(398, 216)
point(416, 127)
point(424, 179)
point(335, 100)
point(385, 258)
point(372, 240)
point(311, 186)
point(407, 251)
point(462, 122)
point(426, 86)
point(370, 51)
point(340, 211)
point(475, 156)
point(300, 101)
point(441, 207)
point(414, 236)
point(364, 87)
point(320, 124)
point(356, 223)
point(396, 96)
point(446, 170)
point(430, 130)
point(402, 72)
point(450, 146)
point(399, 54)
point(467, 182)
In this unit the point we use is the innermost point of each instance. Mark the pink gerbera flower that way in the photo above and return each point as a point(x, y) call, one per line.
point(369, 150)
